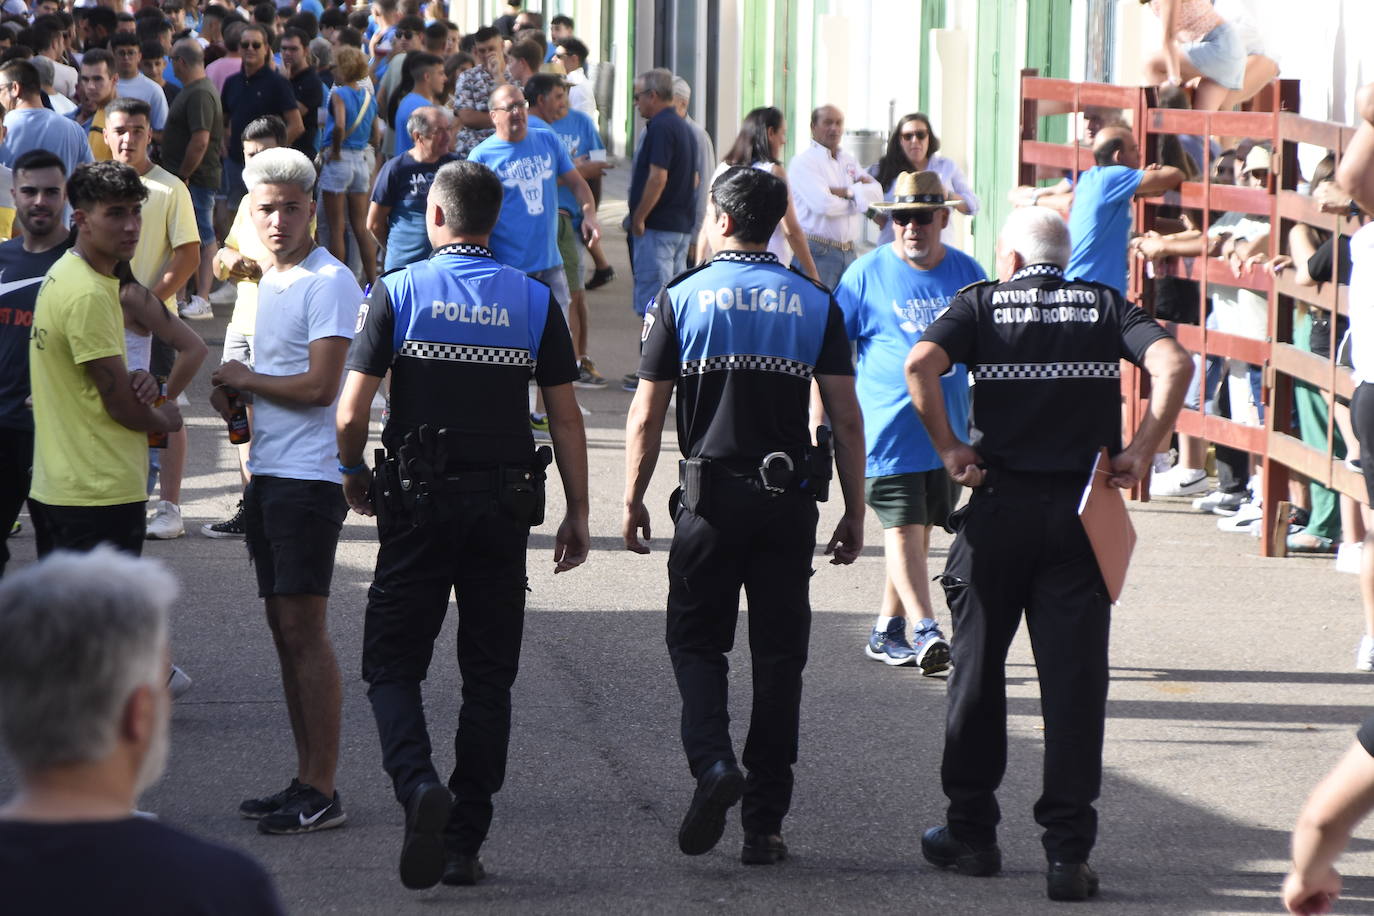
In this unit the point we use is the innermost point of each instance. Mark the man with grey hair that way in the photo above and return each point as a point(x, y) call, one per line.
point(84, 714)
point(293, 508)
point(706, 164)
point(662, 193)
point(1035, 342)
point(832, 192)
point(396, 216)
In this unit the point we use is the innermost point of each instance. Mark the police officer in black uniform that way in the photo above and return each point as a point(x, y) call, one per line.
point(1045, 352)
point(455, 494)
point(741, 339)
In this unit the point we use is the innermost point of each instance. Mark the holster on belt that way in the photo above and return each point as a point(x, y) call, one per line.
point(694, 477)
point(386, 488)
point(521, 488)
point(819, 465)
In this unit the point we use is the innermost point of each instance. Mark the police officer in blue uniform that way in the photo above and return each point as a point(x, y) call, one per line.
point(455, 493)
point(1046, 355)
point(740, 339)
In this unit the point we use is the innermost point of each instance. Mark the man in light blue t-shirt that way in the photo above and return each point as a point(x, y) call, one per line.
point(30, 126)
point(1100, 221)
point(547, 94)
point(889, 297)
point(531, 165)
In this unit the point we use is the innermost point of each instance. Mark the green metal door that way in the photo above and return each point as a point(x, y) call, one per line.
point(932, 17)
point(997, 123)
point(1048, 23)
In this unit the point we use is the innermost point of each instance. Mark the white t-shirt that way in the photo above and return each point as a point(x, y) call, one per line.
point(1361, 298)
point(1239, 311)
point(317, 298)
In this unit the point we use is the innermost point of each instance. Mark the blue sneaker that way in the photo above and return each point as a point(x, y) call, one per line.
point(891, 648)
point(930, 648)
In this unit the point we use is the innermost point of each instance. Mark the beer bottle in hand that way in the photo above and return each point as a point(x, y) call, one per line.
point(239, 433)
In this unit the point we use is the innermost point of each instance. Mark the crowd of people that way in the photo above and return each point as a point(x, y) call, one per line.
point(394, 208)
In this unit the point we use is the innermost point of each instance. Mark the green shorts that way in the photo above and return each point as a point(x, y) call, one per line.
point(919, 498)
point(570, 250)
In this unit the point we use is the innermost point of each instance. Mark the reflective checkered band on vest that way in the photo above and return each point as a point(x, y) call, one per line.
point(747, 361)
point(1018, 371)
point(460, 353)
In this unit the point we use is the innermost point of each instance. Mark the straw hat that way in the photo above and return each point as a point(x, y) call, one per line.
point(916, 191)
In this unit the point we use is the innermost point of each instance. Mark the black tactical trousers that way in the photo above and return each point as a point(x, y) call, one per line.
point(478, 552)
point(1021, 548)
point(744, 538)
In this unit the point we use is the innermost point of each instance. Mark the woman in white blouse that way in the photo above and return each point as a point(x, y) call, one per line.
point(913, 147)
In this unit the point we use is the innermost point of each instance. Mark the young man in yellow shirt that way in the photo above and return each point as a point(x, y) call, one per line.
point(91, 415)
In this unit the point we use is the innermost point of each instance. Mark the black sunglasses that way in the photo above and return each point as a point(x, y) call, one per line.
point(250, 44)
point(919, 217)
point(916, 135)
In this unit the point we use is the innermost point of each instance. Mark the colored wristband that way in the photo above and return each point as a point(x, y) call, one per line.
point(358, 468)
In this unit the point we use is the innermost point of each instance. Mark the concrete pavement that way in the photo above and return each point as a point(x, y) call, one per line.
point(1233, 692)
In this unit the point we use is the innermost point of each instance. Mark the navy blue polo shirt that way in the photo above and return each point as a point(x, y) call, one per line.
point(247, 98)
point(669, 144)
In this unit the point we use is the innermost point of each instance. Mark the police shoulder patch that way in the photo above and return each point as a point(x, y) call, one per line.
point(649, 319)
point(362, 318)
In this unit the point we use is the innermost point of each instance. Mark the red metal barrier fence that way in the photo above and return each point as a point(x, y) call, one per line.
point(1283, 205)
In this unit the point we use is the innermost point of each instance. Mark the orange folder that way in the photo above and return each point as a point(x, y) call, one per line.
point(1108, 524)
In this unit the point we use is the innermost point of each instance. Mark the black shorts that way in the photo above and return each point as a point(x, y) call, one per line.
point(292, 529)
point(918, 498)
point(86, 527)
point(1362, 421)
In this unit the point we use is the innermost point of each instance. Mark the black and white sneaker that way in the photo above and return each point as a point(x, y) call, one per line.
point(254, 808)
point(229, 528)
point(305, 812)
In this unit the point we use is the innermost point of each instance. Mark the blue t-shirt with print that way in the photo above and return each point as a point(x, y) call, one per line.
point(526, 234)
point(887, 306)
point(403, 185)
point(578, 133)
point(1100, 225)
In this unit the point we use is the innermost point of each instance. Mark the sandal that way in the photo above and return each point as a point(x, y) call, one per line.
point(1302, 542)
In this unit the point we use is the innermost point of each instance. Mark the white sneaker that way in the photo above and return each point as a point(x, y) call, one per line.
point(165, 523)
point(1220, 503)
point(1247, 514)
point(178, 682)
point(1348, 558)
point(1179, 481)
point(1364, 655)
point(197, 309)
point(1163, 461)
point(227, 294)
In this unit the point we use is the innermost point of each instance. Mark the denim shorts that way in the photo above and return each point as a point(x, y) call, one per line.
point(1219, 56)
point(557, 282)
point(203, 203)
point(347, 174)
